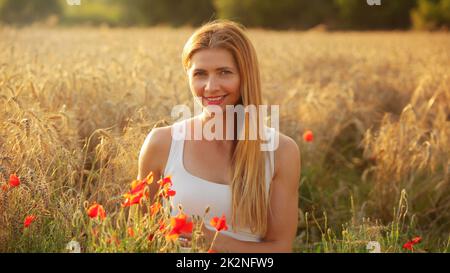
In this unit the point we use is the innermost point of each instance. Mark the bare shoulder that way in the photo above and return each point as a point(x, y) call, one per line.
point(287, 157)
point(155, 151)
point(283, 220)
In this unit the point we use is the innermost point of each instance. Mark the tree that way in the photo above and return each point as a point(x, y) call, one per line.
point(26, 11)
point(431, 14)
point(358, 14)
point(174, 12)
point(277, 14)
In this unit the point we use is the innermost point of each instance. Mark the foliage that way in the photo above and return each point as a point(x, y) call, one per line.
point(431, 14)
point(25, 11)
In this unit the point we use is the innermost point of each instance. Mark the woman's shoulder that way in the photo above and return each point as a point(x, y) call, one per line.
point(285, 143)
point(287, 155)
point(155, 150)
point(158, 137)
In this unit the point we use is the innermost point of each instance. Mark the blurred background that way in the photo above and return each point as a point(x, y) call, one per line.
point(283, 14)
point(81, 86)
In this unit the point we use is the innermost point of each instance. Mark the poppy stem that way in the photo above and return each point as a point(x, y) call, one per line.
point(214, 239)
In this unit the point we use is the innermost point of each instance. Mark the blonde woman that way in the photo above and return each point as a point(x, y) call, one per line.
point(256, 190)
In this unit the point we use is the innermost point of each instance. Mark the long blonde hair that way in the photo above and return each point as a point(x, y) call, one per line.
point(249, 200)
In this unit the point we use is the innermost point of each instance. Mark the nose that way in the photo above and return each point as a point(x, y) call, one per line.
point(211, 85)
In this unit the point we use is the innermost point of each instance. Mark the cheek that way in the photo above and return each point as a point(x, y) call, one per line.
point(196, 87)
point(234, 86)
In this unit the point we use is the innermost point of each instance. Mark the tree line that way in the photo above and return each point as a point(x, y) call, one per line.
point(273, 14)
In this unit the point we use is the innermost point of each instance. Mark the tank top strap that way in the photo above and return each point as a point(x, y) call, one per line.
point(270, 158)
point(178, 134)
point(271, 134)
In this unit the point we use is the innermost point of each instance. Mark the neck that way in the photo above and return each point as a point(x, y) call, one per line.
point(207, 121)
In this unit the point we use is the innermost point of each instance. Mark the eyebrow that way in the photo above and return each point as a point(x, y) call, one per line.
point(217, 69)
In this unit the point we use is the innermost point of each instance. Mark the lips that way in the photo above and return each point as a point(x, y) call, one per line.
point(216, 100)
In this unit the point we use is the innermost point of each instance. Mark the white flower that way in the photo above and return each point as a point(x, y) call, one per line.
point(73, 247)
point(373, 247)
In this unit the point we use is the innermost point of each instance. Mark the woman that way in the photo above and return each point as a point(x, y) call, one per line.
point(256, 190)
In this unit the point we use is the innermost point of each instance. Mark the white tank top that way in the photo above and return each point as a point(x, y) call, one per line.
point(196, 194)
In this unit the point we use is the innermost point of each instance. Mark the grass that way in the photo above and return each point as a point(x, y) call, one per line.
point(77, 103)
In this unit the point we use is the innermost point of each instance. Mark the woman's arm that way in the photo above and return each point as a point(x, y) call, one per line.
point(153, 156)
point(283, 221)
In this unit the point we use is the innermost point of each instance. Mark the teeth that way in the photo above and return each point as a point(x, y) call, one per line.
point(215, 99)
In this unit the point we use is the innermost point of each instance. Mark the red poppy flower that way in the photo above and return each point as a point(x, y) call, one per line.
point(416, 240)
point(137, 186)
point(219, 223)
point(149, 179)
point(308, 136)
point(212, 251)
point(155, 208)
point(408, 245)
point(96, 210)
point(28, 220)
point(172, 236)
point(150, 237)
point(137, 191)
point(165, 181)
point(132, 199)
point(14, 180)
point(166, 191)
point(179, 224)
point(130, 232)
point(169, 193)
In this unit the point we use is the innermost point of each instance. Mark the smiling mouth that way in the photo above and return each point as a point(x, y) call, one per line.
point(215, 100)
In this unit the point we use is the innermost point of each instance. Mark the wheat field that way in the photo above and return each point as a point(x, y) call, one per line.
point(77, 103)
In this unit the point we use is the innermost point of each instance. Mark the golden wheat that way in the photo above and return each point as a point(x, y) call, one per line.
point(77, 103)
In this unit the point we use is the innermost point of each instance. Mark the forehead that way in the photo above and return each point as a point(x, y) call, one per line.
point(212, 58)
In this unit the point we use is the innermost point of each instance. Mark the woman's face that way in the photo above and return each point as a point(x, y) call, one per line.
point(214, 77)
